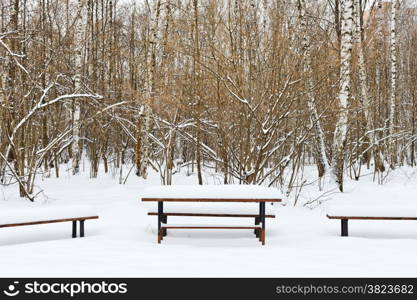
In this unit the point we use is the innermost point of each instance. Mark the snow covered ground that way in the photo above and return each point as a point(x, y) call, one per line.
point(300, 242)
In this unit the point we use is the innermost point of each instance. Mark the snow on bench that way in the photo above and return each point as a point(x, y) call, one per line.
point(36, 215)
point(394, 208)
point(371, 210)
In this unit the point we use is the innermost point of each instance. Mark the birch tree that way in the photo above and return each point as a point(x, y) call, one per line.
point(364, 95)
point(340, 134)
point(392, 102)
point(142, 153)
point(79, 41)
point(322, 160)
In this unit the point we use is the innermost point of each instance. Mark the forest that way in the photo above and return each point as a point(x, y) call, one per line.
point(252, 90)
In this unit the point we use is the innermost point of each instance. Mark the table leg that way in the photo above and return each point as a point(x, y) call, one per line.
point(160, 212)
point(344, 227)
point(263, 223)
point(82, 228)
point(74, 229)
point(259, 221)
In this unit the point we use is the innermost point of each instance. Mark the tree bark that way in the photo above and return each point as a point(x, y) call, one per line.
point(322, 160)
point(75, 146)
point(340, 134)
point(365, 98)
point(392, 103)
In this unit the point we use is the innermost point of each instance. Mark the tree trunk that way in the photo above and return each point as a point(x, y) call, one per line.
point(392, 106)
point(340, 134)
point(322, 160)
point(76, 153)
point(365, 99)
point(154, 14)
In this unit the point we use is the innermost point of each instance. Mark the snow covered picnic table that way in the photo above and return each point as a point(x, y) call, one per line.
point(225, 197)
point(371, 210)
point(37, 215)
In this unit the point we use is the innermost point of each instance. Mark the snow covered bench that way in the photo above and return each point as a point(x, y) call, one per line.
point(375, 210)
point(225, 197)
point(47, 215)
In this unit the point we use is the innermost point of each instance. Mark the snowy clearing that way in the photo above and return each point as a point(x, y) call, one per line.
point(299, 242)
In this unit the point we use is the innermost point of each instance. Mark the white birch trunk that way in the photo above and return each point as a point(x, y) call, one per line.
point(364, 94)
point(393, 49)
point(323, 163)
point(75, 147)
point(341, 129)
point(149, 86)
point(365, 99)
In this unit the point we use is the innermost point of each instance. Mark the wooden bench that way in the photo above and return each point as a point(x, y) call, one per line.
point(47, 215)
point(259, 227)
point(165, 215)
point(73, 220)
point(345, 219)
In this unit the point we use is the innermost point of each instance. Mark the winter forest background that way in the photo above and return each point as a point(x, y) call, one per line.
point(253, 90)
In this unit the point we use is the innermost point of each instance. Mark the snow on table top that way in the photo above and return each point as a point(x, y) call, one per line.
point(212, 191)
point(374, 208)
point(45, 213)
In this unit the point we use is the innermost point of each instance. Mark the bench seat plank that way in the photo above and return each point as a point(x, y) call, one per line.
point(48, 221)
point(209, 215)
point(209, 227)
point(370, 218)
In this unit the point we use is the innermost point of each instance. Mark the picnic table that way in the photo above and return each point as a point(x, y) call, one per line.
point(198, 195)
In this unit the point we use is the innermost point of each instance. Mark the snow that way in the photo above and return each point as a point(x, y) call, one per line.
point(398, 208)
point(300, 242)
point(208, 191)
point(35, 213)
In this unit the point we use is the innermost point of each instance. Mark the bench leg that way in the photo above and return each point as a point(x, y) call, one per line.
point(82, 228)
point(263, 222)
point(160, 220)
point(159, 236)
point(164, 220)
point(74, 229)
point(261, 235)
point(256, 223)
point(344, 224)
